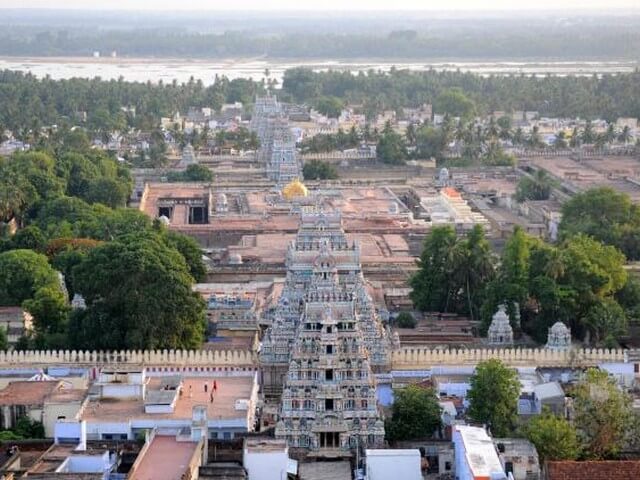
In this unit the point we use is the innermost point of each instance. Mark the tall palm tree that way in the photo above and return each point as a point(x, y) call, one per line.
point(534, 139)
point(588, 135)
point(625, 135)
point(610, 134)
point(518, 136)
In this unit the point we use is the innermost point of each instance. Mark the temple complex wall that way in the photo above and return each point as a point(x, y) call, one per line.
point(402, 359)
point(421, 358)
point(230, 358)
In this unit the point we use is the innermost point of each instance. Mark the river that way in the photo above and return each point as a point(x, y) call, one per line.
point(167, 70)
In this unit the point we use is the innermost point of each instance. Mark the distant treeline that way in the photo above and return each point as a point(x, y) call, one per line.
point(27, 103)
point(609, 96)
point(510, 39)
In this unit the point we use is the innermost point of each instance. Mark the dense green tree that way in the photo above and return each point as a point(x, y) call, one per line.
point(190, 250)
point(511, 284)
point(603, 415)
point(29, 238)
point(4, 342)
point(415, 414)
point(108, 191)
point(553, 436)
point(455, 103)
point(139, 296)
point(22, 274)
point(328, 142)
point(406, 320)
point(452, 272)
point(193, 173)
point(17, 194)
point(330, 106)
point(319, 170)
point(606, 215)
point(535, 187)
point(391, 148)
point(493, 397)
point(431, 284)
point(606, 322)
point(430, 142)
point(28, 428)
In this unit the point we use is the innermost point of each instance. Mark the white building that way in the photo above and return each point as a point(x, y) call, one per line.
point(476, 455)
point(267, 459)
point(384, 464)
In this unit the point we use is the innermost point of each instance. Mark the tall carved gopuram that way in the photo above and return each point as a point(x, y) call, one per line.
point(325, 343)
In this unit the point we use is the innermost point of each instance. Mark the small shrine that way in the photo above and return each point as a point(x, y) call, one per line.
point(559, 337)
point(500, 331)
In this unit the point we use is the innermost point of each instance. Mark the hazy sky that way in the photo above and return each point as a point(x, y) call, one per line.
point(576, 5)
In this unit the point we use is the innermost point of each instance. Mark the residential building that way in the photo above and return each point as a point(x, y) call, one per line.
point(384, 464)
point(124, 404)
point(475, 455)
point(519, 457)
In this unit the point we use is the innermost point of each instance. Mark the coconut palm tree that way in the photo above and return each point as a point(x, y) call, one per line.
point(610, 134)
point(625, 135)
point(588, 135)
point(575, 138)
point(518, 136)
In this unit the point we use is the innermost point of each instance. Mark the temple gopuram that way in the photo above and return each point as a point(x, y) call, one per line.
point(325, 343)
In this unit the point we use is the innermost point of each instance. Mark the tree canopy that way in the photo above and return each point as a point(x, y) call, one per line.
point(553, 436)
point(138, 295)
point(319, 170)
point(493, 397)
point(415, 414)
point(603, 415)
point(606, 215)
point(452, 272)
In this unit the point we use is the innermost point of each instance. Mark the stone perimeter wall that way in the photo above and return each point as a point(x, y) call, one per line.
point(404, 359)
point(419, 358)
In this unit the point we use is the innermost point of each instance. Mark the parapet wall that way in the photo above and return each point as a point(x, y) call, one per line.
point(225, 358)
point(403, 359)
point(421, 358)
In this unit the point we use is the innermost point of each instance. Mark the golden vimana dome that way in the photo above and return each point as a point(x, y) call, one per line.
point(294, 189)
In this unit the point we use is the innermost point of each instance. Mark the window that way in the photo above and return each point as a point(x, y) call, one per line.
point(447, 466)
point(165, 212)
point(329, 349)
point(328, 375)
point(364, 404)
point(226, 435)
point(198, 215)
point(328, 404)
point(349, 404)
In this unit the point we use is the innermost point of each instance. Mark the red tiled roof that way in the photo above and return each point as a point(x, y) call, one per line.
point(594, 470)
point(27, 393)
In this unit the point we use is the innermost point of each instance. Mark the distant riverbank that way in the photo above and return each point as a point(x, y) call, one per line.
point(206, 70)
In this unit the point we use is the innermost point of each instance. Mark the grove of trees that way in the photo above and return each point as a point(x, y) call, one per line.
point(581, 282)
point(68, 204)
